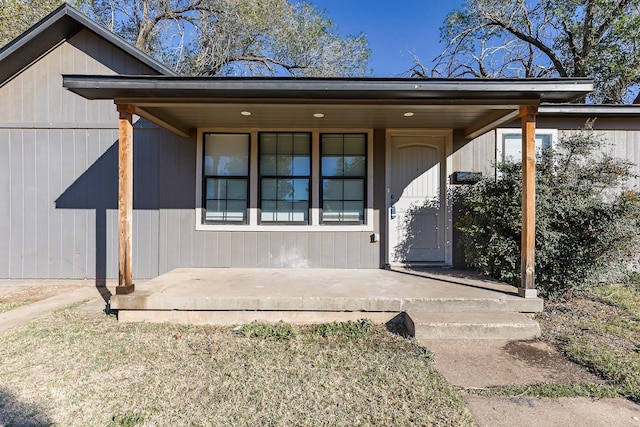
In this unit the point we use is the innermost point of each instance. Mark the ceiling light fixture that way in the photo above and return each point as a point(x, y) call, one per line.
point(245, 113)
point(408, 114)
point(318, 115)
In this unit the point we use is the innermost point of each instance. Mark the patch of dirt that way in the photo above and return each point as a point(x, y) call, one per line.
point(545, 358)
point(563, 319)
point(29, 294)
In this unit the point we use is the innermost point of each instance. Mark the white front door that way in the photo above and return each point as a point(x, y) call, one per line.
point(417, 231)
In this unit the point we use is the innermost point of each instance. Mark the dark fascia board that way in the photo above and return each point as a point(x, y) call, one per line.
point(590, 110)
point(202, 88)
point(61, 24)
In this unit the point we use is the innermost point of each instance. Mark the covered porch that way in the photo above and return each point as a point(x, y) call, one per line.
point(454, 112)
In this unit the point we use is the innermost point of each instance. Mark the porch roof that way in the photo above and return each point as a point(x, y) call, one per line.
point(181, 104)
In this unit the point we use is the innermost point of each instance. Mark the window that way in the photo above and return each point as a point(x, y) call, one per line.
point(285, 171)
point(284, 180)
point(509, 146)
point(225, 173)
point(343, 173)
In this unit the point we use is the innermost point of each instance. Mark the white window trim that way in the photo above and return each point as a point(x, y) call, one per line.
point(314, 216)
point(517, 131)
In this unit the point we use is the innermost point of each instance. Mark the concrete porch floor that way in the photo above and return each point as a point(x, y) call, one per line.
point(237, 295)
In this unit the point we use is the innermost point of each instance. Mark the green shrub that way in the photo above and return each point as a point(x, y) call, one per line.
point(586, 218)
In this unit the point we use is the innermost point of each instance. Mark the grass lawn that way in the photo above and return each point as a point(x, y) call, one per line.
point(74, 368)
point(601, 332)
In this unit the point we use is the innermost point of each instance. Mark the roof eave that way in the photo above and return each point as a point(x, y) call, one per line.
point(453, 90)
point(589, 110)
point(59, 25)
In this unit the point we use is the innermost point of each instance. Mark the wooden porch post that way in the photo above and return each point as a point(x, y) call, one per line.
point(527, 248)
point(125, 199)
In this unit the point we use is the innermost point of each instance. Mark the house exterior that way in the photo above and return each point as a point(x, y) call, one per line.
point(113, 166)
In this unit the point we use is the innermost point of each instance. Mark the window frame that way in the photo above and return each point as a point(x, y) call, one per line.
point(227, 177)
point(502, 132)
point(261, 177)
point(344, 178)
point(253, 215)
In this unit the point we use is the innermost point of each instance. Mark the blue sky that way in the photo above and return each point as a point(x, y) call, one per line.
point(396, 30)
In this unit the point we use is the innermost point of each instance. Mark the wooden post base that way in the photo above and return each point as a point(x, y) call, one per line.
point(125, 289)
point(527, 293)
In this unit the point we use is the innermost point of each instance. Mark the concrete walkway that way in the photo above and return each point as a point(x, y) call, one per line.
point(466, 364)
point(22, 315)
point(477, 364)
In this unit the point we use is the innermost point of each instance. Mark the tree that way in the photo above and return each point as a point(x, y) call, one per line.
point(587, 218)
point(16, 16)
point(236, 37)
point(546, 38)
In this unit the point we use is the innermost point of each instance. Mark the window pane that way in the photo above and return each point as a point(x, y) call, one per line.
point(354, 145)
point(353, 211)
point(331, 211)
point(268, 165)
point(512, 146)
point(236, 210)
point(268, 211)
point(301, 166)
point(302, 144)
point(283, 211)
point(332, 145)
point(354, 189)
point(237, 189)
point(269, 189)
point(543, 141)
point(216, 188)
point(285, 189)
point(300, 189)
point(354, 166)
point(332, 166)
point(226, 154)
point(285, 143)
point(332, 189)
point(215, 210)
point(268, 143)
point(300, 211)
point(284, 165)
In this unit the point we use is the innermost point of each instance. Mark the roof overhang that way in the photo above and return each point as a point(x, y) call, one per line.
point(61, 24)
point(590, 110)
point(182, 104)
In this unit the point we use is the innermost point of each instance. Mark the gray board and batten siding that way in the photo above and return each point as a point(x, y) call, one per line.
point(50, 139)
point(58, 178)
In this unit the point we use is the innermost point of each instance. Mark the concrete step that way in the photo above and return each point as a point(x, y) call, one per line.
point(465, 325)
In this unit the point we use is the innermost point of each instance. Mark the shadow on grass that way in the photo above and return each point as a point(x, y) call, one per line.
point(14, 412)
